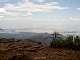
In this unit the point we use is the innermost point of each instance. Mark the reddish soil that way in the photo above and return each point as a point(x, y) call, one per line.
point(35, 51)
point(46, 53)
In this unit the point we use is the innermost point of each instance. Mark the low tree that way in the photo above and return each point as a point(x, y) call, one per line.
point(56, 40)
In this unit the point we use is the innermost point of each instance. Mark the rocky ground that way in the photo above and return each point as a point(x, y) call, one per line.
point(11, 49)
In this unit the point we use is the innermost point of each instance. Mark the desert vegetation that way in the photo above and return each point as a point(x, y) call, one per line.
point(70, 42)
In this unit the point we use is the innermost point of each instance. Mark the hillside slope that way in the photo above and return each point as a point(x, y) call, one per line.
point(31, 50)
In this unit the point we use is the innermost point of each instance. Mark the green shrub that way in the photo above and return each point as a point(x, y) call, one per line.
point(57, 43)
point(67, 43)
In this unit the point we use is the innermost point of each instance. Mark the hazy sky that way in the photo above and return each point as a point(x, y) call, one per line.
point(61, 14)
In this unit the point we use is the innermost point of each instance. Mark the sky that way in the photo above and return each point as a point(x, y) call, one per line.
point(57, 14)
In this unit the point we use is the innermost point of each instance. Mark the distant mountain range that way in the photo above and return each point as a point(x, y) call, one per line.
point(1, 29)
point(6, 30)
point(39, 37)
point(20, 35)
point(17, 34)
point(44, 38)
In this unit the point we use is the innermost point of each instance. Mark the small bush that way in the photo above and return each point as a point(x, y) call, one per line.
point(57, 43)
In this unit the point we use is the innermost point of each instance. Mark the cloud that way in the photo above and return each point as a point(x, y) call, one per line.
point(74, 19)
point(23, 10)
point(16, 18)
point(1, 16)
point(40, 0)
point(2, 10)
point(29, 13)
point(12, 14)
point(78, 8)
point(31, 7)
